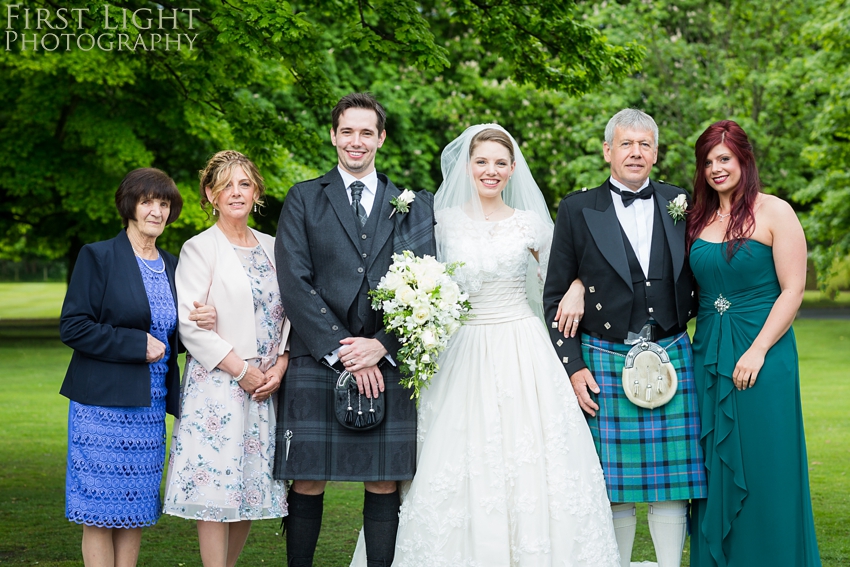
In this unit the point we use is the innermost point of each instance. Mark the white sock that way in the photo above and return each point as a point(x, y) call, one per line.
point(668, 527)
point(625, 523)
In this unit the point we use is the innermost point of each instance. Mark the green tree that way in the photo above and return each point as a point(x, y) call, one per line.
point(828, 151)
point(260, 77)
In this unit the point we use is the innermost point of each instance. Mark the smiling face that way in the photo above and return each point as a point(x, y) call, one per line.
point(722, 169)
point(490, 166)
point(151, 214)
point(631, 155)
point(357, 140)
point(236, 198)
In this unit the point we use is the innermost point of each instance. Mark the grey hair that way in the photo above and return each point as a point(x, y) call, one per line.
point(631, 118)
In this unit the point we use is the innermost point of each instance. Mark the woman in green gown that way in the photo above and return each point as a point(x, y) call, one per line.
point(748, 254)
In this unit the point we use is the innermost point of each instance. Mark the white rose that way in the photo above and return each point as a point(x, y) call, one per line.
point(428, 339)
point(405, 295)
point(449, 293)
point(679, 200)
point(393, 280)
point(427, 283)
point(407, 196)
point(418, 269)
point(421, 315)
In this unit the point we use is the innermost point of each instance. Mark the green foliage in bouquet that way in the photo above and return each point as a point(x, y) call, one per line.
point(423, 307)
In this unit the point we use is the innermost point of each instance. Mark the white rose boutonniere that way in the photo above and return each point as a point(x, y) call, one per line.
point(401, 203)
point(678, 208)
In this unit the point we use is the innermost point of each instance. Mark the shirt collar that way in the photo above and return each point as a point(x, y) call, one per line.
point(620, 186)
point(370, 181)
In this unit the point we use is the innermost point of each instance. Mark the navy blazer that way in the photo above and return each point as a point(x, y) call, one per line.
point(106, 319)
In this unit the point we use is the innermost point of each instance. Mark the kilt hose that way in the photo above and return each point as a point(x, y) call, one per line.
point(321, 449)
point(647, 455)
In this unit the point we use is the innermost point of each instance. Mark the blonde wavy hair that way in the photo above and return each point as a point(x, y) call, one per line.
point(219, 171)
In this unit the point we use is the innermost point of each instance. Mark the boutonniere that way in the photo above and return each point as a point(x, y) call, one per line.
point(678, 208)
point(401, 204)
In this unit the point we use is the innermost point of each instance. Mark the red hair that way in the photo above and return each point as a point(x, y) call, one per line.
point(706, 201)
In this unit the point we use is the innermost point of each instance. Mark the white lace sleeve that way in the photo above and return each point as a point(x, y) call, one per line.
point(540, 240)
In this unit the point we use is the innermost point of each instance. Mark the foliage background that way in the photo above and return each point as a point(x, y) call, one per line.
point(263, 76)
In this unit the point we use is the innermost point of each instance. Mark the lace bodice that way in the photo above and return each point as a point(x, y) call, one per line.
point(492, 251)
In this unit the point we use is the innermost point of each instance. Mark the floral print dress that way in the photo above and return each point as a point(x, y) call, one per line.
point(222, 451)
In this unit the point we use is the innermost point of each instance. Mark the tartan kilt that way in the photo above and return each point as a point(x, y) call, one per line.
point(321, 449)
point(647, 455)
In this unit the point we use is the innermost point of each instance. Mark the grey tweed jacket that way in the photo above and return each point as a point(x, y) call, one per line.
point(320, 263)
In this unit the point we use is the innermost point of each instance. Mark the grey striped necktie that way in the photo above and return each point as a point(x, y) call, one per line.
point(356, 191)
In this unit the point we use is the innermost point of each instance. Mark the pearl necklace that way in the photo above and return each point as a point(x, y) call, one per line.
point(139, 256)
point(487, 216)
point(722, 216)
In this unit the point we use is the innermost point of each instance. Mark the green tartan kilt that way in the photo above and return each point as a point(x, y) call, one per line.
point(647, 455)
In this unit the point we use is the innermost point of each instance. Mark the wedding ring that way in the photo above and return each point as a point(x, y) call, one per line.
point(575, 320)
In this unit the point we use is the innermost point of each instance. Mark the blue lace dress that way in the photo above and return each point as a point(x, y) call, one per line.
point(116, 454)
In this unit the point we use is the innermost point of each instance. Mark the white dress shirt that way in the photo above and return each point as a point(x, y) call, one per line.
point(367, 198)
point(637, 221)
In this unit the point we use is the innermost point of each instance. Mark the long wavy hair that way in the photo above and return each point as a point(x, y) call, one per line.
point(707, 202)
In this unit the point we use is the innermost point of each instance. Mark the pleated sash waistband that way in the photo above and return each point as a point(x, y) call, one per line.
point(499, 301)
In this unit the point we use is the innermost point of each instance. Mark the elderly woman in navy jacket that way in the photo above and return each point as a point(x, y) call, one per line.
point(120, 317)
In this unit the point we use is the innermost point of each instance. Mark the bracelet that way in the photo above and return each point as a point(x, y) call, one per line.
point(243, 373)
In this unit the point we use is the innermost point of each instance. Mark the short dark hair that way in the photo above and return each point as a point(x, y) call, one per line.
point(359, 100)
point(147, 183)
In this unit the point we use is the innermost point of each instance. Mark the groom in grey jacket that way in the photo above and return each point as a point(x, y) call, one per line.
point(335, 241)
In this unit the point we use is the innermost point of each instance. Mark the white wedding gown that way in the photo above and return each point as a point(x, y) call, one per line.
point(507, 473)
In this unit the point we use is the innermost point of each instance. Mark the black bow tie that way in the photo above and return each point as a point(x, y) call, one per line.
point(630, 196)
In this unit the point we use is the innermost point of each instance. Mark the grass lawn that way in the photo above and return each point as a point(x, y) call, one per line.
point(44, 300)
point(33, 443)
point(31, 300)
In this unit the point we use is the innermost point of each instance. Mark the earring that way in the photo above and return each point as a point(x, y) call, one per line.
point(255, 207)
point(214, 212)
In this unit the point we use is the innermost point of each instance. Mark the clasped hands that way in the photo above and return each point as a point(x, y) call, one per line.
point(360, 356)
point(203, 315)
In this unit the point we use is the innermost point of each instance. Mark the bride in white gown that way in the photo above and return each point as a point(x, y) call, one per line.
point(507, 474)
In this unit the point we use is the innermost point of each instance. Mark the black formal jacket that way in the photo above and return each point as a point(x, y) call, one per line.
point(105, 319)
point(588, 244)
point(320, 264)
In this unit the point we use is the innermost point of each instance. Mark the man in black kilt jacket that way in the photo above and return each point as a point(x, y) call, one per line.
point(335, 241)
point(628, 249)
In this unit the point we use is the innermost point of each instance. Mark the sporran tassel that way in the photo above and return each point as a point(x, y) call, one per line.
point(370, 417)
point(637, 388)
point(349, 411)
point(649, 392)
point(659, 386)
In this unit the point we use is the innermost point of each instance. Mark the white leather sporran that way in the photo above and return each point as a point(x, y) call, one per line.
point(649, 379)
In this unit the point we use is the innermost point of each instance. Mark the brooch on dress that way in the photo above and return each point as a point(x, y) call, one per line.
point(722, 304)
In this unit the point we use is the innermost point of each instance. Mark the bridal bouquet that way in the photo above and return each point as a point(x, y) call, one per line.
point(423, 307)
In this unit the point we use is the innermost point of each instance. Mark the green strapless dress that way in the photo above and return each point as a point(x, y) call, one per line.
point(759, 511)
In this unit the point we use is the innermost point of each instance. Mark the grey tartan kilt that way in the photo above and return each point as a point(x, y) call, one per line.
point(321, 449)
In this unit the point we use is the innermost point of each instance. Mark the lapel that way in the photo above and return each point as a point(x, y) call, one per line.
point(604, 227)
point(335, 191)
point(126, 264)
point(674, 232)
point(385, 226)
point(169, 271)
